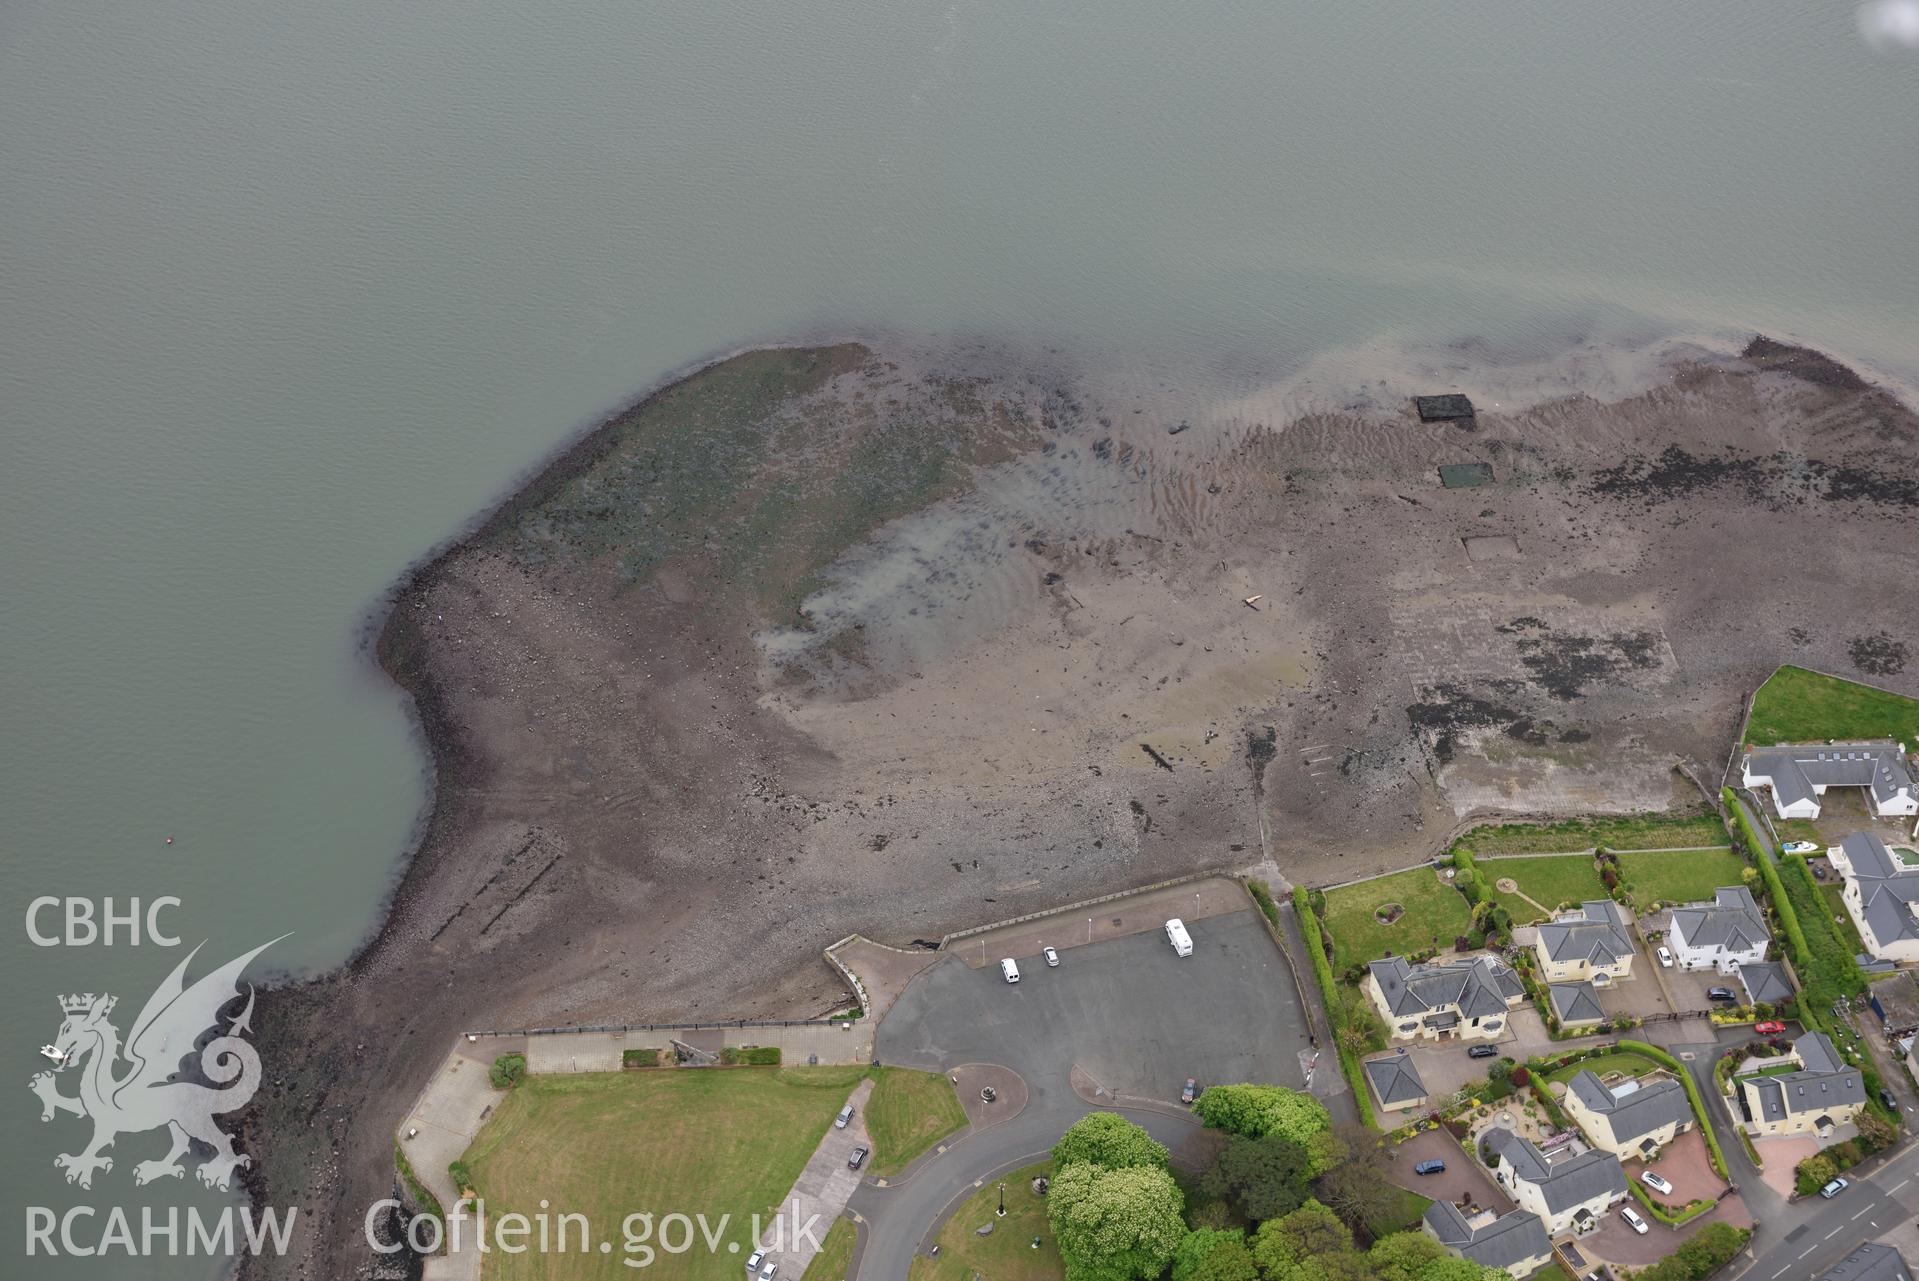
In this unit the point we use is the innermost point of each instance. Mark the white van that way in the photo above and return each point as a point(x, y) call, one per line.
point(1009, 970)
point(1176, 935)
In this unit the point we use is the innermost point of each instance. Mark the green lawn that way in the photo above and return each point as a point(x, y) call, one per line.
point(1435, 913)
point(1005, 1255)
point(1847, 930)
point(1412, 1209)
point(1549, 879)
point(1800, 829)
point(1676, 877)
point(836, 1254)
point(1600, 1064)
point(907, 1113)
point(1625, 832)
point(1798, 706)
point(1551, 1272)
point(693, 1141)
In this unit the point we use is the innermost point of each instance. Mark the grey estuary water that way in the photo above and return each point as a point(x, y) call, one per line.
point(289, 293)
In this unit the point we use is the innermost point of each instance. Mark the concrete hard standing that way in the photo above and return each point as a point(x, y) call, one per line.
point(1127, 1011)
point(821, 1192)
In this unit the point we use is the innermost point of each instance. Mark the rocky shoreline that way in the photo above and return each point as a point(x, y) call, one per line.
point(1023, 671)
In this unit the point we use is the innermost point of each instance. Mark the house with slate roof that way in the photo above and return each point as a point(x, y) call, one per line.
point(1800, 773)
point(1395, 1081)
point(1590, 944)
point(1873, 1261)
point(1467, 998)
point(1765, 983)
point(1575, 1003)
point(1569, 1194)
point(1633, 1119)
point(1724, 934)
point(1822, 1095)
point(1880, 894)
point(1515, 1241)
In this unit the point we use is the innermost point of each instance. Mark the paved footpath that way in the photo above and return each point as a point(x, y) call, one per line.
point(824, 1187)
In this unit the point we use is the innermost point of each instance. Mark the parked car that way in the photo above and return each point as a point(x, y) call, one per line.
point(1885, 1097)
point(846, 1114)
point(1481, 1052)
point(1771, 1027)
point(1656, 1182)
point(1665, 956)
point(1191, 1091)
point(858, 1159)
point(1834, 1188)
point(754, 1260)
point(770, 1271)
point(1799, 847)
point(1051, 954)
point(1008, 969)
point(1720, 994)
point(1633, 1221)
point(1434, 1166)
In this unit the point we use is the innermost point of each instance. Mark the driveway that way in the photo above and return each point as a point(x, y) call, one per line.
point(1463, 1179)
point(1687, 1166)
point(1780, 1156)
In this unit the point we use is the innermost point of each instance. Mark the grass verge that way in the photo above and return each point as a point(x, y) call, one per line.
point(1005, 1254)
point(907, 1113)
point(836, 1253)
point(1627, 832)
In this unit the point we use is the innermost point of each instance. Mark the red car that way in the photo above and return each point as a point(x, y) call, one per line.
point(1770, 1027)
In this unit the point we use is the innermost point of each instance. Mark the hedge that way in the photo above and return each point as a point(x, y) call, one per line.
point(1660, 1212)
point(757, 1055)
point(1699, 1112)
point(1335, 1008)
point(1781, 903)
point(429, 1205)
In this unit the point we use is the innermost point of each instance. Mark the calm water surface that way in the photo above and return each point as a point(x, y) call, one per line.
point(287, 293)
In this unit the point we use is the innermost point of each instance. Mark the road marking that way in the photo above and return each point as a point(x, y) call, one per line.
point(1835, 1232)
point(1902, 1183)
point(1783, 1270)
point(1809, 1250)
point(1863, 1213)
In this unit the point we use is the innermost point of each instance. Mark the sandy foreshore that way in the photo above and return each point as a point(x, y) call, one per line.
point(834, 640)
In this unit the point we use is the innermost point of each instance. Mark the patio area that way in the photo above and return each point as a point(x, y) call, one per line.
point(1687, 1165)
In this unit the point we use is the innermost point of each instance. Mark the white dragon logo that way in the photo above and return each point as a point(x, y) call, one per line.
point(149, 1094)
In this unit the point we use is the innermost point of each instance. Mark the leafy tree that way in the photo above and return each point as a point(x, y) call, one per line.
point(1363, 1030)
point(1264, 1178)
point(1399, 1257)
point(1330, 1147)
point(1110, 1141)
point(1312, 1229)
point(1708, 1250)
point(507, 1071)
point(1816, 1172)
point(1114, 1225)
point(1259, 1110)
point(1212, 1255)
point(1451, 1269)
point(1357, 1188)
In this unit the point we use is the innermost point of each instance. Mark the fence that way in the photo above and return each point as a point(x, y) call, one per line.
point(654, 1027)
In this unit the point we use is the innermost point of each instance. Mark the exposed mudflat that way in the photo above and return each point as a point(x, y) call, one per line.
point(835, 640)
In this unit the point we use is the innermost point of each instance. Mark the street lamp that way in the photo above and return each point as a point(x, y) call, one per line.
point(1002, 1200)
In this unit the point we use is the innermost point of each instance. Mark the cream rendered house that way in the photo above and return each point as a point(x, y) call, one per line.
point(1590, 944)
point(1569, 1194)
point(1468, 998)
point(1880, 894)
point(1631, 1120)
point(1823, 1094)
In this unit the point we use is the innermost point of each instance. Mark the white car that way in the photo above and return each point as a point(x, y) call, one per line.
point(1656, 1183)
point(1633, 1221)
point(1665, 956)
point(772, 1269)
point(754, 1260)
point(1799, 847)
point(1051, 954)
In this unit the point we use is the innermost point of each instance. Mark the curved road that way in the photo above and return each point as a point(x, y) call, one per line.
point(902, 1217)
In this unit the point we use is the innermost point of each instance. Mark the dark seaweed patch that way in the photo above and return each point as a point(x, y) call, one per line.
point(1878, 654)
